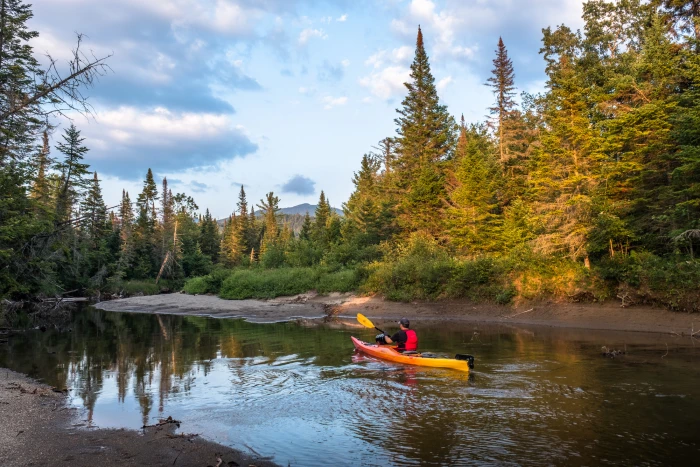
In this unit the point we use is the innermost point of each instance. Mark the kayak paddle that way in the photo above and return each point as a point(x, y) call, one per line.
point(367, 323)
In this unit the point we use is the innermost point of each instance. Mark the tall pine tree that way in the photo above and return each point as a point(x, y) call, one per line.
point(502, 82)
point(426, 136)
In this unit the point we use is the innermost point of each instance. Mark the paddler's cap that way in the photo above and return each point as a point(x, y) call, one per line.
point(405, 322)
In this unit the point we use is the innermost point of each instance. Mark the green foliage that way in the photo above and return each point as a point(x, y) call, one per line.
point(267, 283)
point(273, 256)
point(196, 286)
point(646, 278)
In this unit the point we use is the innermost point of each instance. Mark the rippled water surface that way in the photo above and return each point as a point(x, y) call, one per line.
point(302, 396)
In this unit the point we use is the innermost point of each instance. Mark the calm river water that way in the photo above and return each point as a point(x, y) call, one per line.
point(301, 396)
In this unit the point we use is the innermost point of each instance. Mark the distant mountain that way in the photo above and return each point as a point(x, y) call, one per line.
point(301, 209)
point(294, 215)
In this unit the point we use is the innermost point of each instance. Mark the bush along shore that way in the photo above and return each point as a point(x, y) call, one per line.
point(423, 272)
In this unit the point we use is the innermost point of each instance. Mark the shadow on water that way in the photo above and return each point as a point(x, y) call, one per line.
point(303, 396)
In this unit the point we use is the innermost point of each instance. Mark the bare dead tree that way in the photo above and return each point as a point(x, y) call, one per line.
point(57, 93)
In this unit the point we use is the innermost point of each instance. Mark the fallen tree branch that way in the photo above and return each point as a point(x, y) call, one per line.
point(522, 312)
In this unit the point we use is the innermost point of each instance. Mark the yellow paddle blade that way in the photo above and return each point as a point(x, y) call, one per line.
point(364, 321)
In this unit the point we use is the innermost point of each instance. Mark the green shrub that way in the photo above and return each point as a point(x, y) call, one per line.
point(409, 278)
point(215, 279)
point(196, 285)
point(268, 283)
point(646, 278)
point(340, 281)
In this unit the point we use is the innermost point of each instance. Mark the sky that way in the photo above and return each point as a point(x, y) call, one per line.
point(275, 95)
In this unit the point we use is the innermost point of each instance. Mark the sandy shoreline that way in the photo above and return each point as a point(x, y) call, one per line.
point(602, 316)
point(38, 428)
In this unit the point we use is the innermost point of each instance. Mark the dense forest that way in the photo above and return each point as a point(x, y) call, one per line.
point(588, 191)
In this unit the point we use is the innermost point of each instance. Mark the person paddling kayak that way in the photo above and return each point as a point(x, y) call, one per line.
point(405, 338)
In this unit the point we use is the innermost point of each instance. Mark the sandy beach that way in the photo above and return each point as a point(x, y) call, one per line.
point(341, 307)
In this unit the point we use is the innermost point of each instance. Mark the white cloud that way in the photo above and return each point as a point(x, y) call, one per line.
point(309, 33)
point(307, 91)
point(331, 102)
point(160, 125)
point(222, 16)
point(400, 55)
point(444, 25)
point(387, 82)
point(391, 71)
point(444, 82)
point(345, 63)
point(342, 18)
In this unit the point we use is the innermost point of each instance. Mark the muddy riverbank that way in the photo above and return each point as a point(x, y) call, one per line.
point(37, 427)
point(603, 316)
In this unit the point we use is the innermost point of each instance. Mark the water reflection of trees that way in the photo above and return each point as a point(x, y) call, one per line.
point(535, 394)
point(154, 356)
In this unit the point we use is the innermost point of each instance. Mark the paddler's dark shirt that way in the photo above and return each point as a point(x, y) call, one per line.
point(400, 338)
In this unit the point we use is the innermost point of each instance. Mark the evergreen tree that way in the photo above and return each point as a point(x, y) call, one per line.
point(126, 245)
point(73, 172)
point(40, 187)
point(209, 241)
point(166, 205)
point(473, 221)
point(363, 224)
point(147, 260)
point(18, 72)
point(146, 200)
point(244, 223)
point(566, 172)
point(321, 218)
point(425, 139)
point(306, 228)
point(232, 243)
point(94, 211)
point(503, 84)
point(269, 207)
point(254, 230)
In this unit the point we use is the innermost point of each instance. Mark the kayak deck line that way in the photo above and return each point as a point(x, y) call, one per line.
point(383, 352)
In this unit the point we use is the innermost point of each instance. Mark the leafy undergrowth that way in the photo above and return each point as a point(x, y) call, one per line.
point(420, 270)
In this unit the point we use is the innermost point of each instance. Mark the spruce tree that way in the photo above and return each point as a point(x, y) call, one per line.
point(166, 208)
point(503, 84)
point(306, 228)
point(18, 73)
point(269, 207)
point(146, 200)
point(40, 187)
point(425, 138)
point(244, 221)
point(126, 245)
point(94, 211)
point(473, 221)
point(73, 172)
point(321, 218)
point(232, 245)
point(209, 241)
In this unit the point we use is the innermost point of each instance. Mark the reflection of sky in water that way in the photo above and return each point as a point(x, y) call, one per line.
point(301, 396)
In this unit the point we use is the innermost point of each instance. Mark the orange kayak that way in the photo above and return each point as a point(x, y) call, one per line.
point(385, 352)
